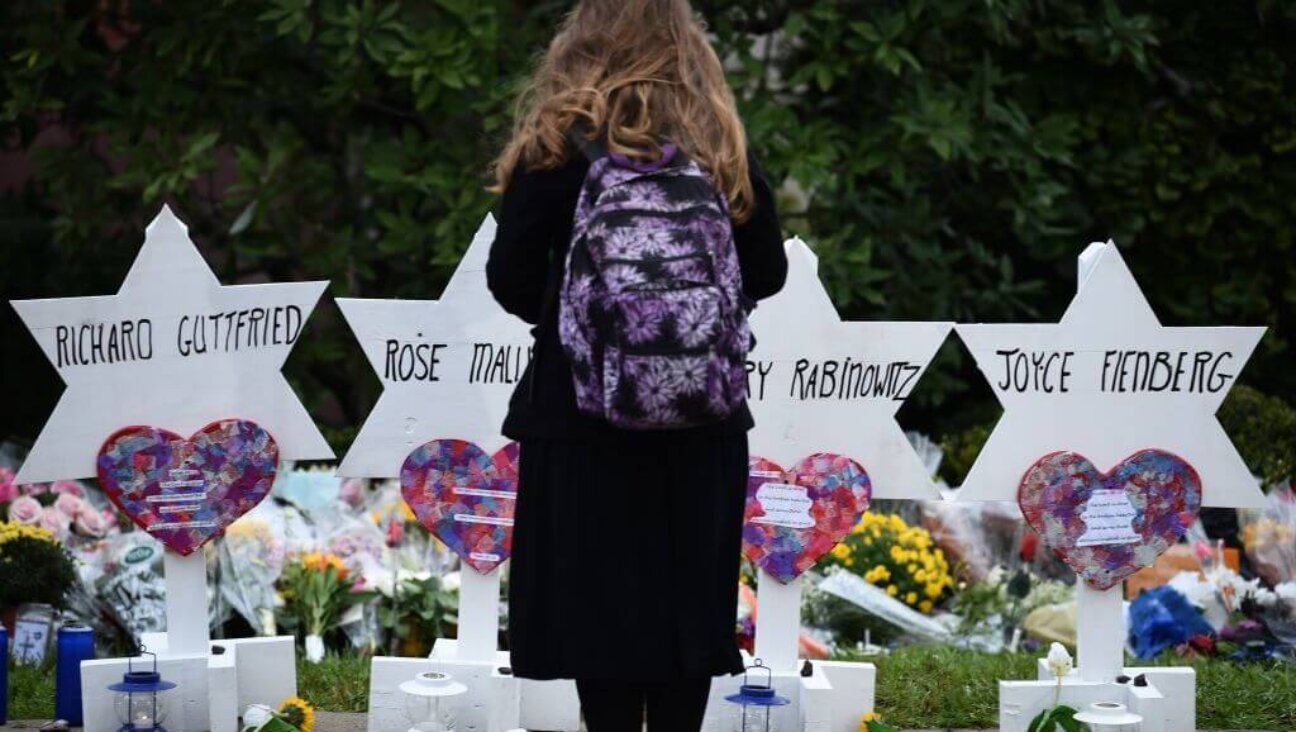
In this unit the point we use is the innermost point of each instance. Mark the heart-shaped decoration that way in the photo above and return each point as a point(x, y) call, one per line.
point(465, 498)
point(1107, 526)
point(185, 492)
point(796, 516)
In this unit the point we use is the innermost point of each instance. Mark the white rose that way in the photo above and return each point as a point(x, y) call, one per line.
point(450, 582)
point(1059, 660)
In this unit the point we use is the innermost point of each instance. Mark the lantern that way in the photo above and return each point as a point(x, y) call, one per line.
point(1109, 717)
point(754, 704)
point(431, 701)
point(141, 699)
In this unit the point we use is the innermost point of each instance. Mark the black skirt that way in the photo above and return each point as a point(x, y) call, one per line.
point(626, 557)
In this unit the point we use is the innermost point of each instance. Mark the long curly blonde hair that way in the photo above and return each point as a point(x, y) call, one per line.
point(635, 72)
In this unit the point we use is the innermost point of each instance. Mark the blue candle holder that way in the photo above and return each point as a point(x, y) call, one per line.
point(75, 644)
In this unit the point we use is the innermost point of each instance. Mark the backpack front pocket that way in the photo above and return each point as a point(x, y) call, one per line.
point(666, 322)
point(664, 392)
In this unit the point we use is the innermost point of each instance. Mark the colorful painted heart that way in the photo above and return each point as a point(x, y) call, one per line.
point(465, 498)
point(796, 516)
point(185, 492)
point(1107, 526)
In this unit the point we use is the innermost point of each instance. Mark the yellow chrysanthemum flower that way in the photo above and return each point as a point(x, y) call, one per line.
point(892, 590)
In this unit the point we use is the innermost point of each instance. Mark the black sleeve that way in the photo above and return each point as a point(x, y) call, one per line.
point(518, 266)
point(759, 241)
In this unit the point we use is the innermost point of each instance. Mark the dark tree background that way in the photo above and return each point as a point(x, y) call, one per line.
point(950, 158)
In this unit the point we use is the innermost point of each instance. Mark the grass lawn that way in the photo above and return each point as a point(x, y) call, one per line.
point(919, 687)
point(925, 687)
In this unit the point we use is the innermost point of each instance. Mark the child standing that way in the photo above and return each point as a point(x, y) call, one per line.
point(628, 524)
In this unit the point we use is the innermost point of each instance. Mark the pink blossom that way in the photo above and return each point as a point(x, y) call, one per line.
point(69, 505)
point(92, 523)
point(352, 492)
point(8, 488)
point(68, 487)
point(55, 520)
point(25, 510)
point(33, 489)
point(395, 533)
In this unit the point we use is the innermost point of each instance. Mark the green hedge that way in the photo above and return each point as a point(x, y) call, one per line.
point(957, 156)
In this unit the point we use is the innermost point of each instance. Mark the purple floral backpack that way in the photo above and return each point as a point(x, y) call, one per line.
point(651, 312)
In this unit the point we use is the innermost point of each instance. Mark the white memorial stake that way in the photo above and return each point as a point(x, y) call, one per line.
point(151, 355)
point(1071, 386)
point(448, 368)
point(479, 597)
point(186, 603)
point(817, 383)
point(778, 623)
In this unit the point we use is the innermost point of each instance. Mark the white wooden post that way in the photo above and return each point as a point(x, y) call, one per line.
point(186, 604)
point(478, 615)
point(1100, 632)
point(778, 623)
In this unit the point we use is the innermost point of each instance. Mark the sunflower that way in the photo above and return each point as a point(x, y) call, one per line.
point(298, 712)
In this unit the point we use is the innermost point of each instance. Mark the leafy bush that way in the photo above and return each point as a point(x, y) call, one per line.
point(34, 566)
point(1264, 430)
point(955, 156)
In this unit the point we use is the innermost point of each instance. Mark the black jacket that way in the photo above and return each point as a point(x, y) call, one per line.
point(524, 272)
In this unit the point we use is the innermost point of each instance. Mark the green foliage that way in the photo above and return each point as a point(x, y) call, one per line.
point(1060, 718)
point(960, 451)
point(421, 607)
point(31, 689)
point(956, 156)
point(1264, 430)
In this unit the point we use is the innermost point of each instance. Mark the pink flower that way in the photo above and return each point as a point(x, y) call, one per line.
point(92, 523)
point(69, 505)
point(26, 510)
point(8, 488)
point(1202, 550)
point(395, 533)
point(352, 492)
point(33, 489)
point(68, 487)
point(55, 520)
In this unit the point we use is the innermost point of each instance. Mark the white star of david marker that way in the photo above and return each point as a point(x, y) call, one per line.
point(1107, 381)
point(818, 384)
point(448, 366)
point(172, 349)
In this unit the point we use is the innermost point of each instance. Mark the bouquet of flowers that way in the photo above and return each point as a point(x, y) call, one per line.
point(61, 506)
point(34, 566)
point(251, 559)
point(317, 589)
point(899, 558)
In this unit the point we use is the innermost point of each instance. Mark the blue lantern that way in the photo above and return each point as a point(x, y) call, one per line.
point(755, 703)
point(141, 701)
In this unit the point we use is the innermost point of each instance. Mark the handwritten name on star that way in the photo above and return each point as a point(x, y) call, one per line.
point(1199, 371)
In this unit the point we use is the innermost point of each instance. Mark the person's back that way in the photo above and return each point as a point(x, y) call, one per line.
point(626, 547)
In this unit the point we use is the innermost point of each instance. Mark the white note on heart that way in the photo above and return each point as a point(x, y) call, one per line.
point(1108, 517)
point(783, 504)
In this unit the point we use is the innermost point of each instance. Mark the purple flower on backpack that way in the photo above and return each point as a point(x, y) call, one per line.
point(651, 312)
